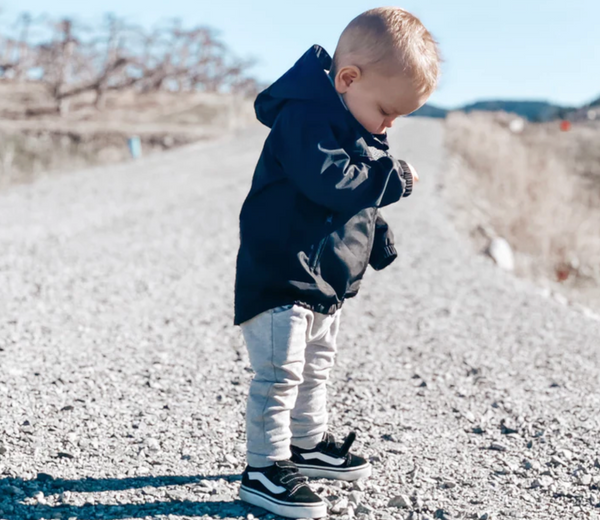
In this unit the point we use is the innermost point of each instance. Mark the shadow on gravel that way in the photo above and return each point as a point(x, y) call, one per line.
point(15, 493)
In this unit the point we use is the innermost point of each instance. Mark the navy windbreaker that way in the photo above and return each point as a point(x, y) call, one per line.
point(309, 226)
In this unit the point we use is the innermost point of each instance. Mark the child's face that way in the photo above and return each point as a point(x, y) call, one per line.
point(374, 100)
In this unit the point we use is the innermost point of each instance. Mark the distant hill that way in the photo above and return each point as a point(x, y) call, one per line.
point(537, 111)
point(430, 111)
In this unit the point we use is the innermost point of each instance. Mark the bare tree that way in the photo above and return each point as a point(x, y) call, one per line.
point(22, 63)
point(72, 59)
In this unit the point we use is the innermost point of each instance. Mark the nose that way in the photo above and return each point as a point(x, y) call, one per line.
point(388, 124)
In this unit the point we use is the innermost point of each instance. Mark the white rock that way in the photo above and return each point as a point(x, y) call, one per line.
point(230, 458)
point(544, 481)
point(565, 454)
point(400, 501)
point(355, 497)
point(589, 313)
point(152, 444)
point(418, 502)
point(517, 125)
point(502, 253)
point(359, 485)
point(560, 298)
point(340, 506)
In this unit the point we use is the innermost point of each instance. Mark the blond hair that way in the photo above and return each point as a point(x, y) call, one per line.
point(389, 41)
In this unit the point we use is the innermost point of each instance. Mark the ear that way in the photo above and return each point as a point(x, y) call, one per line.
point(345, 77)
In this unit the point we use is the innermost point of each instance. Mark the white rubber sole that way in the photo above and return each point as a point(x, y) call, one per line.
point(256, 498)
point(348, 474)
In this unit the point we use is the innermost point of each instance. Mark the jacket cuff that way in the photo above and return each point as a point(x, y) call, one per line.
point(408, 177)
point(386, 257)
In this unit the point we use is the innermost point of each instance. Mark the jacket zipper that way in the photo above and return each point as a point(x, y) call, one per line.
point(321, 246)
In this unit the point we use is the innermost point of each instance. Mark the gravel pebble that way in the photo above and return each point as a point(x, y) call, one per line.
point(339, 506)
point(400, 501)
point(123, 382)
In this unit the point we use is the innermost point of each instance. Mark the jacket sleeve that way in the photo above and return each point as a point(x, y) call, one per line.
point(311, 157)
point(383, 252)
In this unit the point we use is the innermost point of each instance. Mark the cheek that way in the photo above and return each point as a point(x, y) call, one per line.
point(372, 121)
point(365, 114)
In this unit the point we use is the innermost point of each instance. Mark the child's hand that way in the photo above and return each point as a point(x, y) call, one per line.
point(414, 173)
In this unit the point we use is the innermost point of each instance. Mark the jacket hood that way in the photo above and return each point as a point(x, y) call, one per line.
point(307, 80)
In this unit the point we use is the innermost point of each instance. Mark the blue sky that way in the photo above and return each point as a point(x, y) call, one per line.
point(514, 49)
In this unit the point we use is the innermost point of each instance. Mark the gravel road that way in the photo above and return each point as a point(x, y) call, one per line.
point(123, 382)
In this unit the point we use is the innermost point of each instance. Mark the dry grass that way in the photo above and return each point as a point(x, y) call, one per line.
point(540, 190)
point(34, 140)
point(28, 155)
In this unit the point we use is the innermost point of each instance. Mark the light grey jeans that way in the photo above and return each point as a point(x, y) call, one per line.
point(291, 350)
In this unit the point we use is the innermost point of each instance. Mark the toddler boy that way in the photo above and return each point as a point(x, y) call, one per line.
point(309, 228)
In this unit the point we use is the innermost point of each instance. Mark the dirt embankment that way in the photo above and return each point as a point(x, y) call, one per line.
point(35, 140)
point(539, 189)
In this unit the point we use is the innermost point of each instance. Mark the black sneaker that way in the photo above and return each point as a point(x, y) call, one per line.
point(281, 489)
point(329, 459)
